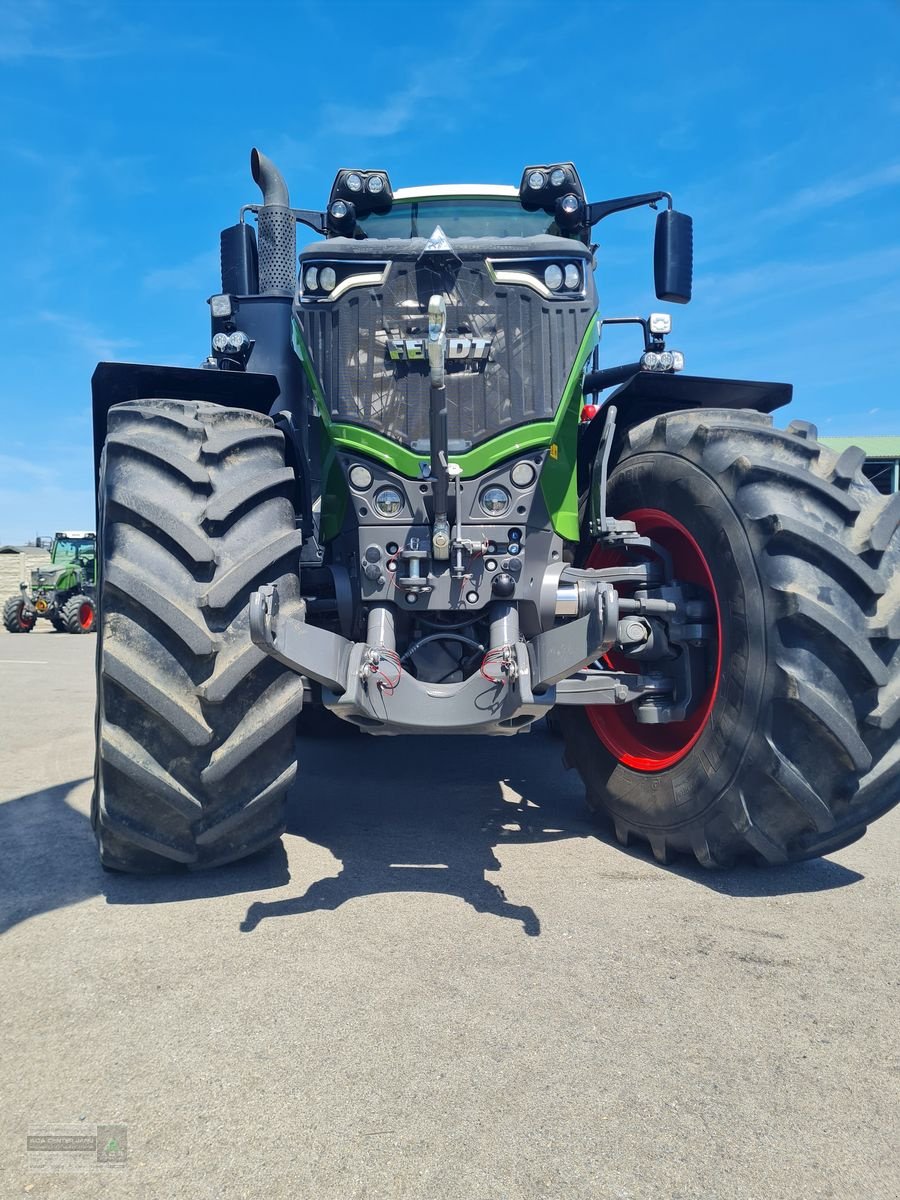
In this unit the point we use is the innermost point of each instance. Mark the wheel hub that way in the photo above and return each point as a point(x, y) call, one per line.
point(633, 733)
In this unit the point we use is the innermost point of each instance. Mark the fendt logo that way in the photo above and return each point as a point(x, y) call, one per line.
point(401, 349)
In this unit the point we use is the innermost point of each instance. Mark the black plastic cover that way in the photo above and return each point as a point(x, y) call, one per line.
point(240, 261)
point(673, 256)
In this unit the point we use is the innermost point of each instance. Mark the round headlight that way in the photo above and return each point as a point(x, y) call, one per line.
point(339, 209)
point(522, 474)
point(536, 180)
point(650, 360)
point(569, 203)
point(494, 501)
point(375, 185)
point(553, 277)
point(236, 341)
point(666, 360)
point(558, 177)
point(573, 276)
point(220, 342)
point(354, 182)
point(311, 280)
point(388, 502)
point(360, 477)
point(327, 279)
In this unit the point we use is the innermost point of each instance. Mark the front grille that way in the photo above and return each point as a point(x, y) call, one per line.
point(533, 346)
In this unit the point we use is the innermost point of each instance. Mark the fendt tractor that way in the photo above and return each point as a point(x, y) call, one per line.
point(402, 490)
point(63, 592)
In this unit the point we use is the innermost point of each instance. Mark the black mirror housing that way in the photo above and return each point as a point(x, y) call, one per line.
point(239, 260)
point(673, 256)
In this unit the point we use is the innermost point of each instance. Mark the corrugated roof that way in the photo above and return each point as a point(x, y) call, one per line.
point(879, 446)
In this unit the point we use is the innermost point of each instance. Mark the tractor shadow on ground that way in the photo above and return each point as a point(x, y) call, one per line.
point(48, 860)
point(428, 815)
point(47, 855)
point(413, 814)
point(400, 814)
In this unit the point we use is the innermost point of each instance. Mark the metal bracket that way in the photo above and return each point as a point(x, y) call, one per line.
point(608, 687)
point(559, 652)
point(316, 653)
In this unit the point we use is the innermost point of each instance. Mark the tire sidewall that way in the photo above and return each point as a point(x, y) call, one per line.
point(682, 793)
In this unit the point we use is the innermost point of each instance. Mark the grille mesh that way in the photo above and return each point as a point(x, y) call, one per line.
point(533, 345)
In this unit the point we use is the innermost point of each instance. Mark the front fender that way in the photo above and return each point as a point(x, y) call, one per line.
point(115, 383)
point(651, 393)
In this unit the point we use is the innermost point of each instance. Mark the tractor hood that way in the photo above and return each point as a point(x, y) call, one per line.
point(59, 578)
point(512, 337)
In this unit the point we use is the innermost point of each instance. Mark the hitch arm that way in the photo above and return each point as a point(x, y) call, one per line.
point(316, 653)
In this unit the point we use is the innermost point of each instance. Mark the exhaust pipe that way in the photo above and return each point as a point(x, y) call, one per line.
point(269, 180)
point(277, 229)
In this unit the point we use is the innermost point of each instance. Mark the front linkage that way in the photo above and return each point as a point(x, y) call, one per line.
point(663, 622)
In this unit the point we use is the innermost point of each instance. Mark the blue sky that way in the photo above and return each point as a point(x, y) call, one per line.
point(125, 132)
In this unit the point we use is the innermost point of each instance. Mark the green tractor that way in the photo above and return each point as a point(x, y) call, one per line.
point(403, 492)
point(62, 593)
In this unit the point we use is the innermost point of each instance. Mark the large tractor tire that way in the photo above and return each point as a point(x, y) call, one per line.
point(792, 749)
point(78, 615)
point(16, 617)
point(195, 737)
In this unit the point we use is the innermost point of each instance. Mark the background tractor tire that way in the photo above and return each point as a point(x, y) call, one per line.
point(195, 724)
point(78, 615)
point(56, 621)
point(15, 618)
point(800, 748)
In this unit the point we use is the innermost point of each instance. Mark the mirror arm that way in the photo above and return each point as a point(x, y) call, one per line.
point(604, 208)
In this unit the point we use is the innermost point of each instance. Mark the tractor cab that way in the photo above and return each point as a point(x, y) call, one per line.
point(78, 548)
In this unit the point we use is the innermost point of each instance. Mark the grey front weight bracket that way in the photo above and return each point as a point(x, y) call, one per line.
point(316, 653)
point(558, 653)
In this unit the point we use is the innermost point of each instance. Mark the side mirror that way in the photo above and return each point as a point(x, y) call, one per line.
point(240, 260)
point(673, 256)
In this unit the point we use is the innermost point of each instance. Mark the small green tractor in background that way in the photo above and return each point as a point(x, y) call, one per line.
point(63, 593)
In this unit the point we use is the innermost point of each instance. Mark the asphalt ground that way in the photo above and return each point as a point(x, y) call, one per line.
point(447, 983)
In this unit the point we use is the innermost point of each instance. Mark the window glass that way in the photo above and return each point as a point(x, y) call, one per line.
point(463, 216)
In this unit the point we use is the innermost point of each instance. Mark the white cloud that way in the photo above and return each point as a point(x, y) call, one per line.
point(87, 338)
point(831, 191)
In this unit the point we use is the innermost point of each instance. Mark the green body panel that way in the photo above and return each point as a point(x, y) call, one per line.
point(558, 478)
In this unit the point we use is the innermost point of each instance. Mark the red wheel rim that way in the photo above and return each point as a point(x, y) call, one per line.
point(24, 622)
point(656, 747)
point(86, 616)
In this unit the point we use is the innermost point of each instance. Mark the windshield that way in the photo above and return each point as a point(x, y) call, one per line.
point(459, 217)
point(68, 549)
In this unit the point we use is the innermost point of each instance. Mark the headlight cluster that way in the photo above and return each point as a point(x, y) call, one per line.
point(495, 500)
point(319, 279)
point(558, 278)
point(664, 360)
point(358, 185)
point(387, 502)
point(329, 280)
point(230, 343)
point(553, 280)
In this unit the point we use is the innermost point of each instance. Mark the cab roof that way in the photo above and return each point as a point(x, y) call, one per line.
point(435, 191)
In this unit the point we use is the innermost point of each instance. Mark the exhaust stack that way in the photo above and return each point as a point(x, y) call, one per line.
point(277, 229)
